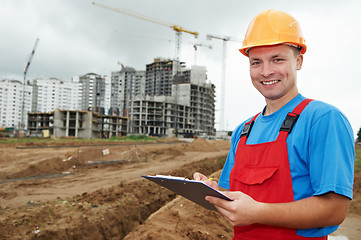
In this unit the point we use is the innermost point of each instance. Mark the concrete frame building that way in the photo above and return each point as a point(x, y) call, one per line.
point(156, 116)
point(171, 104)
point(79, 124)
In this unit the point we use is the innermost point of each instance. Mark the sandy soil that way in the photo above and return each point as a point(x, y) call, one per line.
point(66, 193)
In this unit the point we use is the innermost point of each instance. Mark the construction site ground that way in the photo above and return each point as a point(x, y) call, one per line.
point(95, 190)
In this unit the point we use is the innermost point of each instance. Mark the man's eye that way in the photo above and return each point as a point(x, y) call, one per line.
point(278, 60)
point(254, 63)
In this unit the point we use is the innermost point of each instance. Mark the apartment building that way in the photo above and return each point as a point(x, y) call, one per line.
point(160, 75)
point(126, 85)
point(12, 100)
point(53, 93)
point(95, 92)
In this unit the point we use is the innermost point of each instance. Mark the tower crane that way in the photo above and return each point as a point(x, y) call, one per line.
point(195, 45)
point(22, 125)
point(225, 39)
point(178, 29)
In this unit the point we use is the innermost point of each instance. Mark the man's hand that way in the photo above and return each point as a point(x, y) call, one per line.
point(239, 212)
point(200, 177)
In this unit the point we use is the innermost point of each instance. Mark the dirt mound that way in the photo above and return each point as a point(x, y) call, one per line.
point(48, 166)
point(204, 145)
point(41, 162)
point(163, 154)
point(183, 219)
point(108, 213)
point(76, 158)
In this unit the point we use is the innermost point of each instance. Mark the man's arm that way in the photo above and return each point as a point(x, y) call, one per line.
point(318, 211)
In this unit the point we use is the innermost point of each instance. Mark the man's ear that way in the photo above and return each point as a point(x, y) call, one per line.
point(299, 62)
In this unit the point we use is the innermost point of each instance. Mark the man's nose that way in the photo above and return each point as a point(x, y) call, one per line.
point(267, 69)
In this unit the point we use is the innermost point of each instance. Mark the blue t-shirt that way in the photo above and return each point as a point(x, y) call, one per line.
point(320, 151)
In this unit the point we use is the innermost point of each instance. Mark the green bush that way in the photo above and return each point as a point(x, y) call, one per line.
point(132, 138)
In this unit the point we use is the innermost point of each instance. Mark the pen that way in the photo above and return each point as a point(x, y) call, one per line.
point(210, 179)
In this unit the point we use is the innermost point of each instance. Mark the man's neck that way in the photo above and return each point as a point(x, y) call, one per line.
point(277, 104)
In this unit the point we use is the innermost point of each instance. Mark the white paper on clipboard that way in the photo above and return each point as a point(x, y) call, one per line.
point(193, 190)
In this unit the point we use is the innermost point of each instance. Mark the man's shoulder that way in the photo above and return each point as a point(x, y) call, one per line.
point(325, 116)
point(318, 109)
point(317, 104)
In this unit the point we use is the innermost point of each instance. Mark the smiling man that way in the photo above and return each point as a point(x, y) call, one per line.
point(290, 167)
point(273, 73)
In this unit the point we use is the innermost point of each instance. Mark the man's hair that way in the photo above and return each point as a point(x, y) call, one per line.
point(296, 50)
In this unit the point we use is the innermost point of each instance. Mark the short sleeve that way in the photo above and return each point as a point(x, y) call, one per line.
point(332, 154)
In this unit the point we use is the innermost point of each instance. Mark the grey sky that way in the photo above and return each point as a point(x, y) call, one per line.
point(77, 37)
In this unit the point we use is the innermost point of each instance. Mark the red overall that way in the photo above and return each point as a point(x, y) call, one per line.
point(262, 171)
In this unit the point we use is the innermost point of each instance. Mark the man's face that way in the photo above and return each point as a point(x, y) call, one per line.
point(273, 71)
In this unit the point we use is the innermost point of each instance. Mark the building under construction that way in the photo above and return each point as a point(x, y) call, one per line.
point(173, 100)
point(79, 124)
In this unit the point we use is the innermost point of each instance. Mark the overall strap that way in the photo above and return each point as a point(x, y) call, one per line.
point(291, 119)
point(247, 129)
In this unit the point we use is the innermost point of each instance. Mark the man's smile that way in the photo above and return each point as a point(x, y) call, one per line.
point(270, 82)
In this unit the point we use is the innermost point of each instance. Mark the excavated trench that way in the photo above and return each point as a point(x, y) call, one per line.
point(109, 213)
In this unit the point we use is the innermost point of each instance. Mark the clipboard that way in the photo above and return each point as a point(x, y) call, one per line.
point(193, 190)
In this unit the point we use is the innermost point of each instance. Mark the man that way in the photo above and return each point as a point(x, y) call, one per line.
point(290, 167)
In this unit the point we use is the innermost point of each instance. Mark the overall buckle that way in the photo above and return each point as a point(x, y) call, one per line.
point(289, 122)
point(247, 129)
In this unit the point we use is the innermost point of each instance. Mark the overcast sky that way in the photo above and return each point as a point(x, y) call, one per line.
point(77, 37)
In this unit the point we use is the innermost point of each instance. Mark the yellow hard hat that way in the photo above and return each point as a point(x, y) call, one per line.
point(273, 27)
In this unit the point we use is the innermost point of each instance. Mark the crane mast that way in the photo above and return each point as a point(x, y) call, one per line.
point(223, 76)
point(22, 124)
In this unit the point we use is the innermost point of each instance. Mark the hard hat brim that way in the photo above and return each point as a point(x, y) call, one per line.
point(244, 50)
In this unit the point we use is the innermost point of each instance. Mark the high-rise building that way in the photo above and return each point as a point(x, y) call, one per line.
point(51, 93)
point(94, 89)
point(76, 94)
point(194, 91)
point(107, 95)
point(11, 103)
point(126, 85)
point(160, 76)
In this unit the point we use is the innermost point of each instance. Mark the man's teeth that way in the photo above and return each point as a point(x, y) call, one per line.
point(270, 82)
